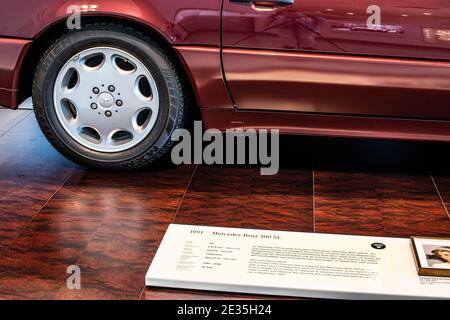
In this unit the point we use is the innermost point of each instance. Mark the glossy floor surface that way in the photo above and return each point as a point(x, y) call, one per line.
point(54, 214)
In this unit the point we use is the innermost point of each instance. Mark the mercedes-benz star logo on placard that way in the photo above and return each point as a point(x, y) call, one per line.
point(378, 246)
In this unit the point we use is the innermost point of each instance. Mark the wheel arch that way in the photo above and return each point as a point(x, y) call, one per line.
point(44, 39)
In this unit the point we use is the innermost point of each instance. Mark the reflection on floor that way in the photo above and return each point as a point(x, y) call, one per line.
point(54, 214)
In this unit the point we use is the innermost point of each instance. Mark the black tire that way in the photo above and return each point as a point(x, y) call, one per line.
point(172, 96)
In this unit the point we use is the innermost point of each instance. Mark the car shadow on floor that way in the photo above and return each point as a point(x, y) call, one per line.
point(365, 156)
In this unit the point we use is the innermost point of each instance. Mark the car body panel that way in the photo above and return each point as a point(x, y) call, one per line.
point(338, 84)
point(179, 21)
point(324, 76)
point(12, 53)
point(205, 72)
point(407, 28)
point(329, 125)
point(324, 57)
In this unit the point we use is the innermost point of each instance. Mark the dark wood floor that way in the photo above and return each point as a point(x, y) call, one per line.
point(54, 214)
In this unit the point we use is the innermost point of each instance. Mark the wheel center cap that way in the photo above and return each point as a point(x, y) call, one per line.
point(105, 100)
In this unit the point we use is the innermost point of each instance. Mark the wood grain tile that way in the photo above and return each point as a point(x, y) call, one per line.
point(102, 222)
point(443, 185)
point(439, 159)
point(110, 225)
point(9, 118)
point(381, 188)
point(378, 205)
point(30, 172)
point(242, 198)
point(177, 294)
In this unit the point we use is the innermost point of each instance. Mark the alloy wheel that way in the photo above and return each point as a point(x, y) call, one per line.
point(106, 99)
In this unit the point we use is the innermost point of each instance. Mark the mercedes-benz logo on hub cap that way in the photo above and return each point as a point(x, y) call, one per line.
point(105, 100)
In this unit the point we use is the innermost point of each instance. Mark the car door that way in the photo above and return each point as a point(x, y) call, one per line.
point(383, 58)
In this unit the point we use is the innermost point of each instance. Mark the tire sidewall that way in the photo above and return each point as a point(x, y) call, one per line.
point(161, 70)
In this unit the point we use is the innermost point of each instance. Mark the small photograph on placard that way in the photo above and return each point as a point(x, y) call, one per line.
point(432, 256)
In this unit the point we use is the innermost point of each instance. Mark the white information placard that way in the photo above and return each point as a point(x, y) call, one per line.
point(290, 264)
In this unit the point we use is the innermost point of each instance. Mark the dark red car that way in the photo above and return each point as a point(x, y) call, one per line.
point(111, 93)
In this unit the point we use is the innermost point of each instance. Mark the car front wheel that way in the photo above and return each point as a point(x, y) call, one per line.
point(109, 98)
